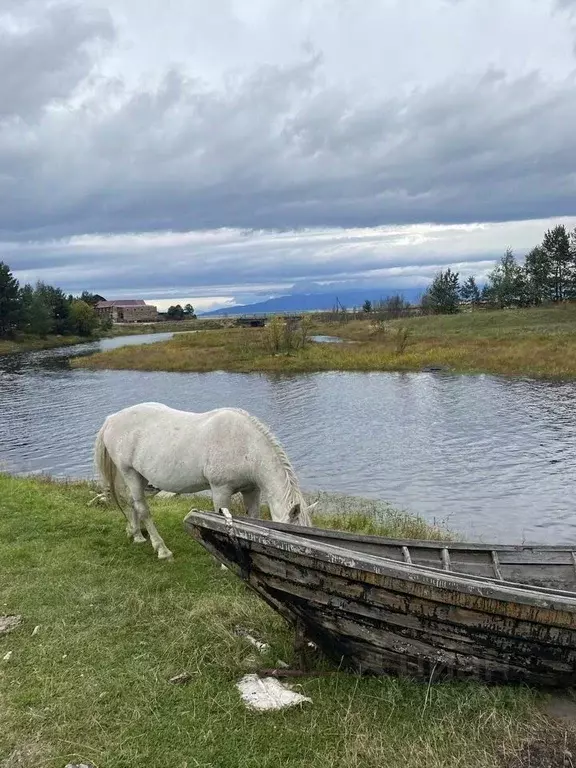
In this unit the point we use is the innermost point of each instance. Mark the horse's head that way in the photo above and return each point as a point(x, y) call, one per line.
point(300, 514)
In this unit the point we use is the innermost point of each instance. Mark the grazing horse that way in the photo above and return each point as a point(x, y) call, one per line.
point(226, 451)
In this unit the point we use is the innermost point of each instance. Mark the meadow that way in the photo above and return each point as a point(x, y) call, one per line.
point(537, 342)
point(85, 678)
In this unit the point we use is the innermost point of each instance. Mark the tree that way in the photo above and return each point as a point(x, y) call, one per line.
point(507, 283)
point(59, 305)
point(36, 315)
point(469, 291)
point(189, 311)
point(442, 297)
point(83, 319)
point(91, 298)
point(367, 306)
point(537, 268)
point(175, 312)
point(10, 301)
point(556, 245)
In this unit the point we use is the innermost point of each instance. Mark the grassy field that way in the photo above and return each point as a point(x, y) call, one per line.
point(532, 342)
point(85, 677)
point(32, 343)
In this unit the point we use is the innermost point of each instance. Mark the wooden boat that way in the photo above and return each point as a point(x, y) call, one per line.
point(427, 610)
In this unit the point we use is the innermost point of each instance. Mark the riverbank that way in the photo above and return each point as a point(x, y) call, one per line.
point(530, 342)
point(34, 343)
point(106, 625)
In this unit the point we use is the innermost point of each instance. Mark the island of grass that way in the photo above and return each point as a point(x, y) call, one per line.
point(538, 342)
point(105, 626)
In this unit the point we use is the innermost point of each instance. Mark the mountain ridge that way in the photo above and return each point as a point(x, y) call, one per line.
point(308, 302)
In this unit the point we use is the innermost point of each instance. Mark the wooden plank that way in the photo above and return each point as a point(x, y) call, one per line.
point(496, 564)
point(427, 610)
point(527, 610)
point(478, 642)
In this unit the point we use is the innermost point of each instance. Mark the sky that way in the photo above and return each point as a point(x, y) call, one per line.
point(227, 152)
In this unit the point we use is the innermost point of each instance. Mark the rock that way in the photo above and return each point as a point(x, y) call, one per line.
point(8, 623)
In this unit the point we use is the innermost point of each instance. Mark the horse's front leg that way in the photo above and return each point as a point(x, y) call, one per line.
point(221, 497)
point(251, 501)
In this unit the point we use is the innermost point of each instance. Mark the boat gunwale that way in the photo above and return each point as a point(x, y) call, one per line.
point(332, 533)
point(540, 597)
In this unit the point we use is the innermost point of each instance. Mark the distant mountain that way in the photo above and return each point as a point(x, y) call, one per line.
point(308, 302)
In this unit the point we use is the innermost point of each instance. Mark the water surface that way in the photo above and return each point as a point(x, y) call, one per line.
point(494, 457)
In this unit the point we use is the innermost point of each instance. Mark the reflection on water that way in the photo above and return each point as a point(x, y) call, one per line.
point(496, 458)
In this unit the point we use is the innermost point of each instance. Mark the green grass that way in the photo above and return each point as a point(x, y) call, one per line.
point(115, 624)
point(531, 342)
point(32, 343)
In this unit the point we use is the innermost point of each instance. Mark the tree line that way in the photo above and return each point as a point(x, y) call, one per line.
point(547, 275)
point(44, 310)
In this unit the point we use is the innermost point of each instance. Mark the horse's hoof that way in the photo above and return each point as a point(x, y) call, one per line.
point(165, 554)
point(139, 539)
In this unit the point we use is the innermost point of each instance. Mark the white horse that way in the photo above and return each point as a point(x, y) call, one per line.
point(226, 450)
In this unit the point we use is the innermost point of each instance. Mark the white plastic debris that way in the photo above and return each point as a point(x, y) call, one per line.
point(262, 647)
point(8, 623)
point(181, 679)
point(7, 656)
point(267, 694)
point(36, 630)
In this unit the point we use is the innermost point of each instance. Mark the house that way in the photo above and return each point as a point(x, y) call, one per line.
point(127, 311)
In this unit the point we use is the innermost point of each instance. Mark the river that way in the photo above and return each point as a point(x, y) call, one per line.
point(494, 458)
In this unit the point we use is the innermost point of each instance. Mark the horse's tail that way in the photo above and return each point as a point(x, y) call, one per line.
point(107, 470)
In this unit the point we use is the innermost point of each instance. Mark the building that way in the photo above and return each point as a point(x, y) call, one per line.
point(127, 311)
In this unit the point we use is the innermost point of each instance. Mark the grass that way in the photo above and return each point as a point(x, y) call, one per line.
point(165, 326)
point(532, 342)
point(91, 683)
point(33, 343)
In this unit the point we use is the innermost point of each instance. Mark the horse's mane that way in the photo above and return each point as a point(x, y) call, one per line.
point(292, 493)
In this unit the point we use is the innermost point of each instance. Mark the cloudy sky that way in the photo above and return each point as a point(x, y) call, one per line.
point(227, 151)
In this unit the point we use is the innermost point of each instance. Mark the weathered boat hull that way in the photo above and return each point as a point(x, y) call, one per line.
point(381, 616)
point(539, 565)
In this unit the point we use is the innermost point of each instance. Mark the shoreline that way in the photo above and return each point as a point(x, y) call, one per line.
point(11, 347)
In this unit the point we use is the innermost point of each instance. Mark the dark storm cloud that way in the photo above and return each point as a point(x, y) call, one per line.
point(280, 148)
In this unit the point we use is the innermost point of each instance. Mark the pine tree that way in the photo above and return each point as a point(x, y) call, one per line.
point(537, 268)
point(10, 301)
point(442, 297)
point(506, 285)
point(469, 291)
point(36, 314)
point(556, 246)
